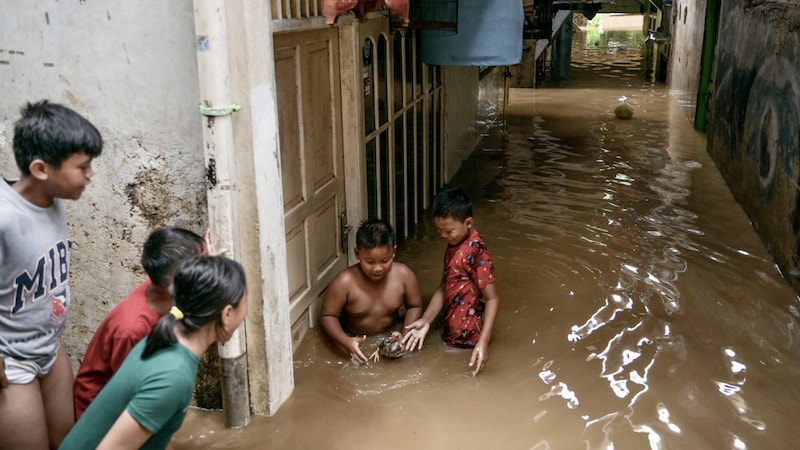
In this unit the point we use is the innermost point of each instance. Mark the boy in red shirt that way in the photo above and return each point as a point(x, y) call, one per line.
point(134, 318)
point(467, 292)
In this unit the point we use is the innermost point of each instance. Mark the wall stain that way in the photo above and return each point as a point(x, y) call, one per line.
point(211, 174)
point(156, 199)
point(150, 194)
point(74, 100)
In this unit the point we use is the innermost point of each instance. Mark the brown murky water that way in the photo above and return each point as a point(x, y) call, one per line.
point(639, 309)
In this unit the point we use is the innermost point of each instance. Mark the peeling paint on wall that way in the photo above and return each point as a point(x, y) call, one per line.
point(783, 14)
point(211, 174)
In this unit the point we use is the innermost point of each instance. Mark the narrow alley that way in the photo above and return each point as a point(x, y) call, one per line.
point(639, 308)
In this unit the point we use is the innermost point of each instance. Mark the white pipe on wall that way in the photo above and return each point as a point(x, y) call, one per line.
point(216, 106)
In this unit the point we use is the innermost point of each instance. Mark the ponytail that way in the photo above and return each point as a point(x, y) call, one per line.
point(162, 335)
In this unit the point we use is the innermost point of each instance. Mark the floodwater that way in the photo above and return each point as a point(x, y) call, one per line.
point(639, 309)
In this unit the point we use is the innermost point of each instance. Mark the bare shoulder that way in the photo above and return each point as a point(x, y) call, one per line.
point(338, 291)
point(347, 275)
point(403, 271)
point(345, 281)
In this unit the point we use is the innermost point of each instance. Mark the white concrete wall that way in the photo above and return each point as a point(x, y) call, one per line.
point(687, 25)
point(470, 106)
point(129, 67)
point(460, 115)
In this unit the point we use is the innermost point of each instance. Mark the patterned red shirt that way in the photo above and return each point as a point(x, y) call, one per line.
point(467, 269)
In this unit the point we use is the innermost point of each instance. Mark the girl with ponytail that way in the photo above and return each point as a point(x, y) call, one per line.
point(145, 402)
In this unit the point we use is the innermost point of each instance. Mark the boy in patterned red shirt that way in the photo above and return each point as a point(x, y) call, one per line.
point(467, 292)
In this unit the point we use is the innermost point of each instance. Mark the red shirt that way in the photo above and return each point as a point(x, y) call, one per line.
point(468, 268)
point(126, 325)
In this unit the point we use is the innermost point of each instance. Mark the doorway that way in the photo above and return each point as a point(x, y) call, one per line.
point(312, 166)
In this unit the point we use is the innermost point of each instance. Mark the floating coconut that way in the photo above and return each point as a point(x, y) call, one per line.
point(623, 111)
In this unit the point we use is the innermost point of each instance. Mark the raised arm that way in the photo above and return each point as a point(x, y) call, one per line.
point(210, 249)
point(332, 306)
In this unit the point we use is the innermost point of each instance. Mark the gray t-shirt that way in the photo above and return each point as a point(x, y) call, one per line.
point(34, 267)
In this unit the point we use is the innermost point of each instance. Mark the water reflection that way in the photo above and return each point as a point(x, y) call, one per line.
point(639, 309)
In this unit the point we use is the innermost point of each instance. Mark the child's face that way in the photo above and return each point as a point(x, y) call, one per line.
point(453, 230)
point(233, 318)
point(70, 179)
point(240, 312)
point(375, 263)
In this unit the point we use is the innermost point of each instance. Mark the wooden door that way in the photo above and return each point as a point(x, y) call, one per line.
point(312, 168)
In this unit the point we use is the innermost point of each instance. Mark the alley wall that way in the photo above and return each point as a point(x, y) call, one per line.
point(754, 135)
point(130, 68)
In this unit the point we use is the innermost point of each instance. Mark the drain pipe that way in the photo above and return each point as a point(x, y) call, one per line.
point(216, 108)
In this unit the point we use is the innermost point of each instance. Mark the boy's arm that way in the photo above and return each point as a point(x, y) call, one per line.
point(480, 354)
point(417, 330)
point(332, 306)
point(435, 305)
point(412, 299)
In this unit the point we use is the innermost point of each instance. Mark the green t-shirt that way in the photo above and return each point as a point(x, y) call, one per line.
point(155, 391)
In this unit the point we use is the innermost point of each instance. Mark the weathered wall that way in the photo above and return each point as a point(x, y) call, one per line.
point(687, 22)
point(754, 135)
point(130, 68)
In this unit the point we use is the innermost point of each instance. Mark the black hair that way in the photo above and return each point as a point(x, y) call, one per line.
point(52, 133)
point(165, 249)
point(203, 286)
point(452, 202)
point(375, 233)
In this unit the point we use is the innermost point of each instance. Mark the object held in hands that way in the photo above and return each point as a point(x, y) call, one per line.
point(388, 347)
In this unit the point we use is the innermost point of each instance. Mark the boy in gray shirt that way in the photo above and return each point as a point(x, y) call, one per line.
point(54, 147)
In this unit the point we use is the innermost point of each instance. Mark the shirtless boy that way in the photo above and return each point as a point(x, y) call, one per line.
point(366, 298)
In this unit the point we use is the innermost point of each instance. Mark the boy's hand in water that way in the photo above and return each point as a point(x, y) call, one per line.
point(415, 335)
point(210, 249)
point(355, 349)
point(480, 355)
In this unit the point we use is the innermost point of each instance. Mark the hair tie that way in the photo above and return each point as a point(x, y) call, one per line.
point(176, 312)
